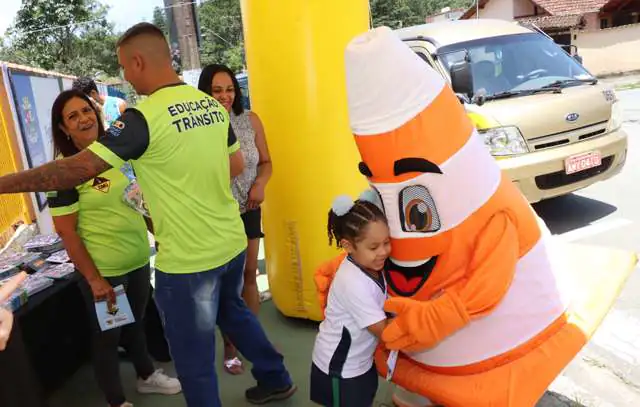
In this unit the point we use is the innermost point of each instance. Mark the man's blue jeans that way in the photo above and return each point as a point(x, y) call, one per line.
point(191, 305)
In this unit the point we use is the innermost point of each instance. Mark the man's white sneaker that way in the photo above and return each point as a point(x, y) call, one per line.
point(159, 383)
point(126, 404)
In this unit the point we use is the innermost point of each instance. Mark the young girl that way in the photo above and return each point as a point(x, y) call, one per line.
point(343, 373)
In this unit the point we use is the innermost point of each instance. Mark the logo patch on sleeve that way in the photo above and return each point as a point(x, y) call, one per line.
point(101, 184)
point(116, 128)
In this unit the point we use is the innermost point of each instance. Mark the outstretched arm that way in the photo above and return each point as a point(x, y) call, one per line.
point(129, 141)
point(420, 325)
point(61, 174)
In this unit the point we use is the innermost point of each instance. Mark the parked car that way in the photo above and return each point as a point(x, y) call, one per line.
point(552, 127)
point(243, 80)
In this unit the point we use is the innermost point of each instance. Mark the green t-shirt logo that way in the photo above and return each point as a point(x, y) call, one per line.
point(101, 184)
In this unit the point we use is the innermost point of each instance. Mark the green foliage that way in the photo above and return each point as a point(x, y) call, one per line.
point(391, 13)
point(429, 7)
point(221, 24)
point(221, 29)
point(69, 36)
point(160, 20)
point(405, 13)
point(79, 40)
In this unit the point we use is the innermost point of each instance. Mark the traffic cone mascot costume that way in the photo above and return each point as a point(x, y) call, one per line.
point(481, 315)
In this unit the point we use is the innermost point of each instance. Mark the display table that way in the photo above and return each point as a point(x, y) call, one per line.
point(56, 333)
point(52, 331)
point(19, 386)
point(49, 342)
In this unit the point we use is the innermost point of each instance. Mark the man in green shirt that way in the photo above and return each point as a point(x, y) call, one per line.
point(177, 141)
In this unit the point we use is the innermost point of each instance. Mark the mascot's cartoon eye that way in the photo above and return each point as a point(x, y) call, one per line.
point(418, 211)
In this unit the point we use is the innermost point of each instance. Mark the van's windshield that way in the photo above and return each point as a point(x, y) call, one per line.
point(515, 64)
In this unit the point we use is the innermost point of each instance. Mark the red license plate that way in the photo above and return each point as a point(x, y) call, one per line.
point(582, 162)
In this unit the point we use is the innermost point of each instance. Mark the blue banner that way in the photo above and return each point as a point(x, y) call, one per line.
point(45, 92)
point(25, 104)
point(66, 83)
point(115, 92)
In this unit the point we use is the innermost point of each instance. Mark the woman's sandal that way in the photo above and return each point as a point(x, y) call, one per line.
point(233, 366)
point(265, 296)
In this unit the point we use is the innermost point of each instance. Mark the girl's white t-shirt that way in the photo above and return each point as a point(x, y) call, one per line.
point(344, 347)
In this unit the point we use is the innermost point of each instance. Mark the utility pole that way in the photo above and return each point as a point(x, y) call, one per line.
point(185, 21)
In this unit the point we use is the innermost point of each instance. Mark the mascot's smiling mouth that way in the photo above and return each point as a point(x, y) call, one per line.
point(406, 281)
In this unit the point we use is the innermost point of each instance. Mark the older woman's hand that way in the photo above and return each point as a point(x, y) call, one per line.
point(6, 324)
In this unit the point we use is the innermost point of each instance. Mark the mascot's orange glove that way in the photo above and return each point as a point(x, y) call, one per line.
point(421, 325)
point(324, 276)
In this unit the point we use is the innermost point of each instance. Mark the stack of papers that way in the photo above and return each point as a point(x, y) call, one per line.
point(36, 265)
point(9, 270)
point(59, 272)
point(44, 258)
point(12, 259)
point(28, 257)
point(16, 260)
point(47, 244)
point(36, 283)
point(59, 257)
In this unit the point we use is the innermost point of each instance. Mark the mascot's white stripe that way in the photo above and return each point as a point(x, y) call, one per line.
point(387, 83)
point(469, 179)
point(535, 299)
point(390, 112)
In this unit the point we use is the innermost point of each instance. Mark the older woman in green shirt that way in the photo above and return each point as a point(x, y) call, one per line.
point(107, 241)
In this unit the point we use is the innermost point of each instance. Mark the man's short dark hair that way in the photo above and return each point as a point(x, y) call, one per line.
point(140, 29)
point(85, 85)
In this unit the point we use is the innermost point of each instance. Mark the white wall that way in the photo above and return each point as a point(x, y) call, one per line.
point(522, 8)
point(498, 9)
point(613, 50)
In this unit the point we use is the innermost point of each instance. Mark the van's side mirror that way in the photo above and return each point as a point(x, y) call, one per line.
point(462, 78)
point(573, 51)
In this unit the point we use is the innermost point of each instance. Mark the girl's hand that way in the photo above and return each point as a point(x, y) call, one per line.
point(256, 196)
point(102, 291)
point(6, 323)
point(6, 316)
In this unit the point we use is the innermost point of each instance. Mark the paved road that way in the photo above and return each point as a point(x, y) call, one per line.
point(607, 373)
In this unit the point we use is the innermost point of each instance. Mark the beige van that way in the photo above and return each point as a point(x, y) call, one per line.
point(552, 127)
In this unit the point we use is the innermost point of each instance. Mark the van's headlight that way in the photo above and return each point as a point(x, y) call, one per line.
point(503, 141)
point(617, 115)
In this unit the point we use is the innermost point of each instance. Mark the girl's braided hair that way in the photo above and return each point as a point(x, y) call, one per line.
point(350, 225)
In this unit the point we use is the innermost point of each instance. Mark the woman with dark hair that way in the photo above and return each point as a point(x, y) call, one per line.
point(248, 187)
point(107, 241)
